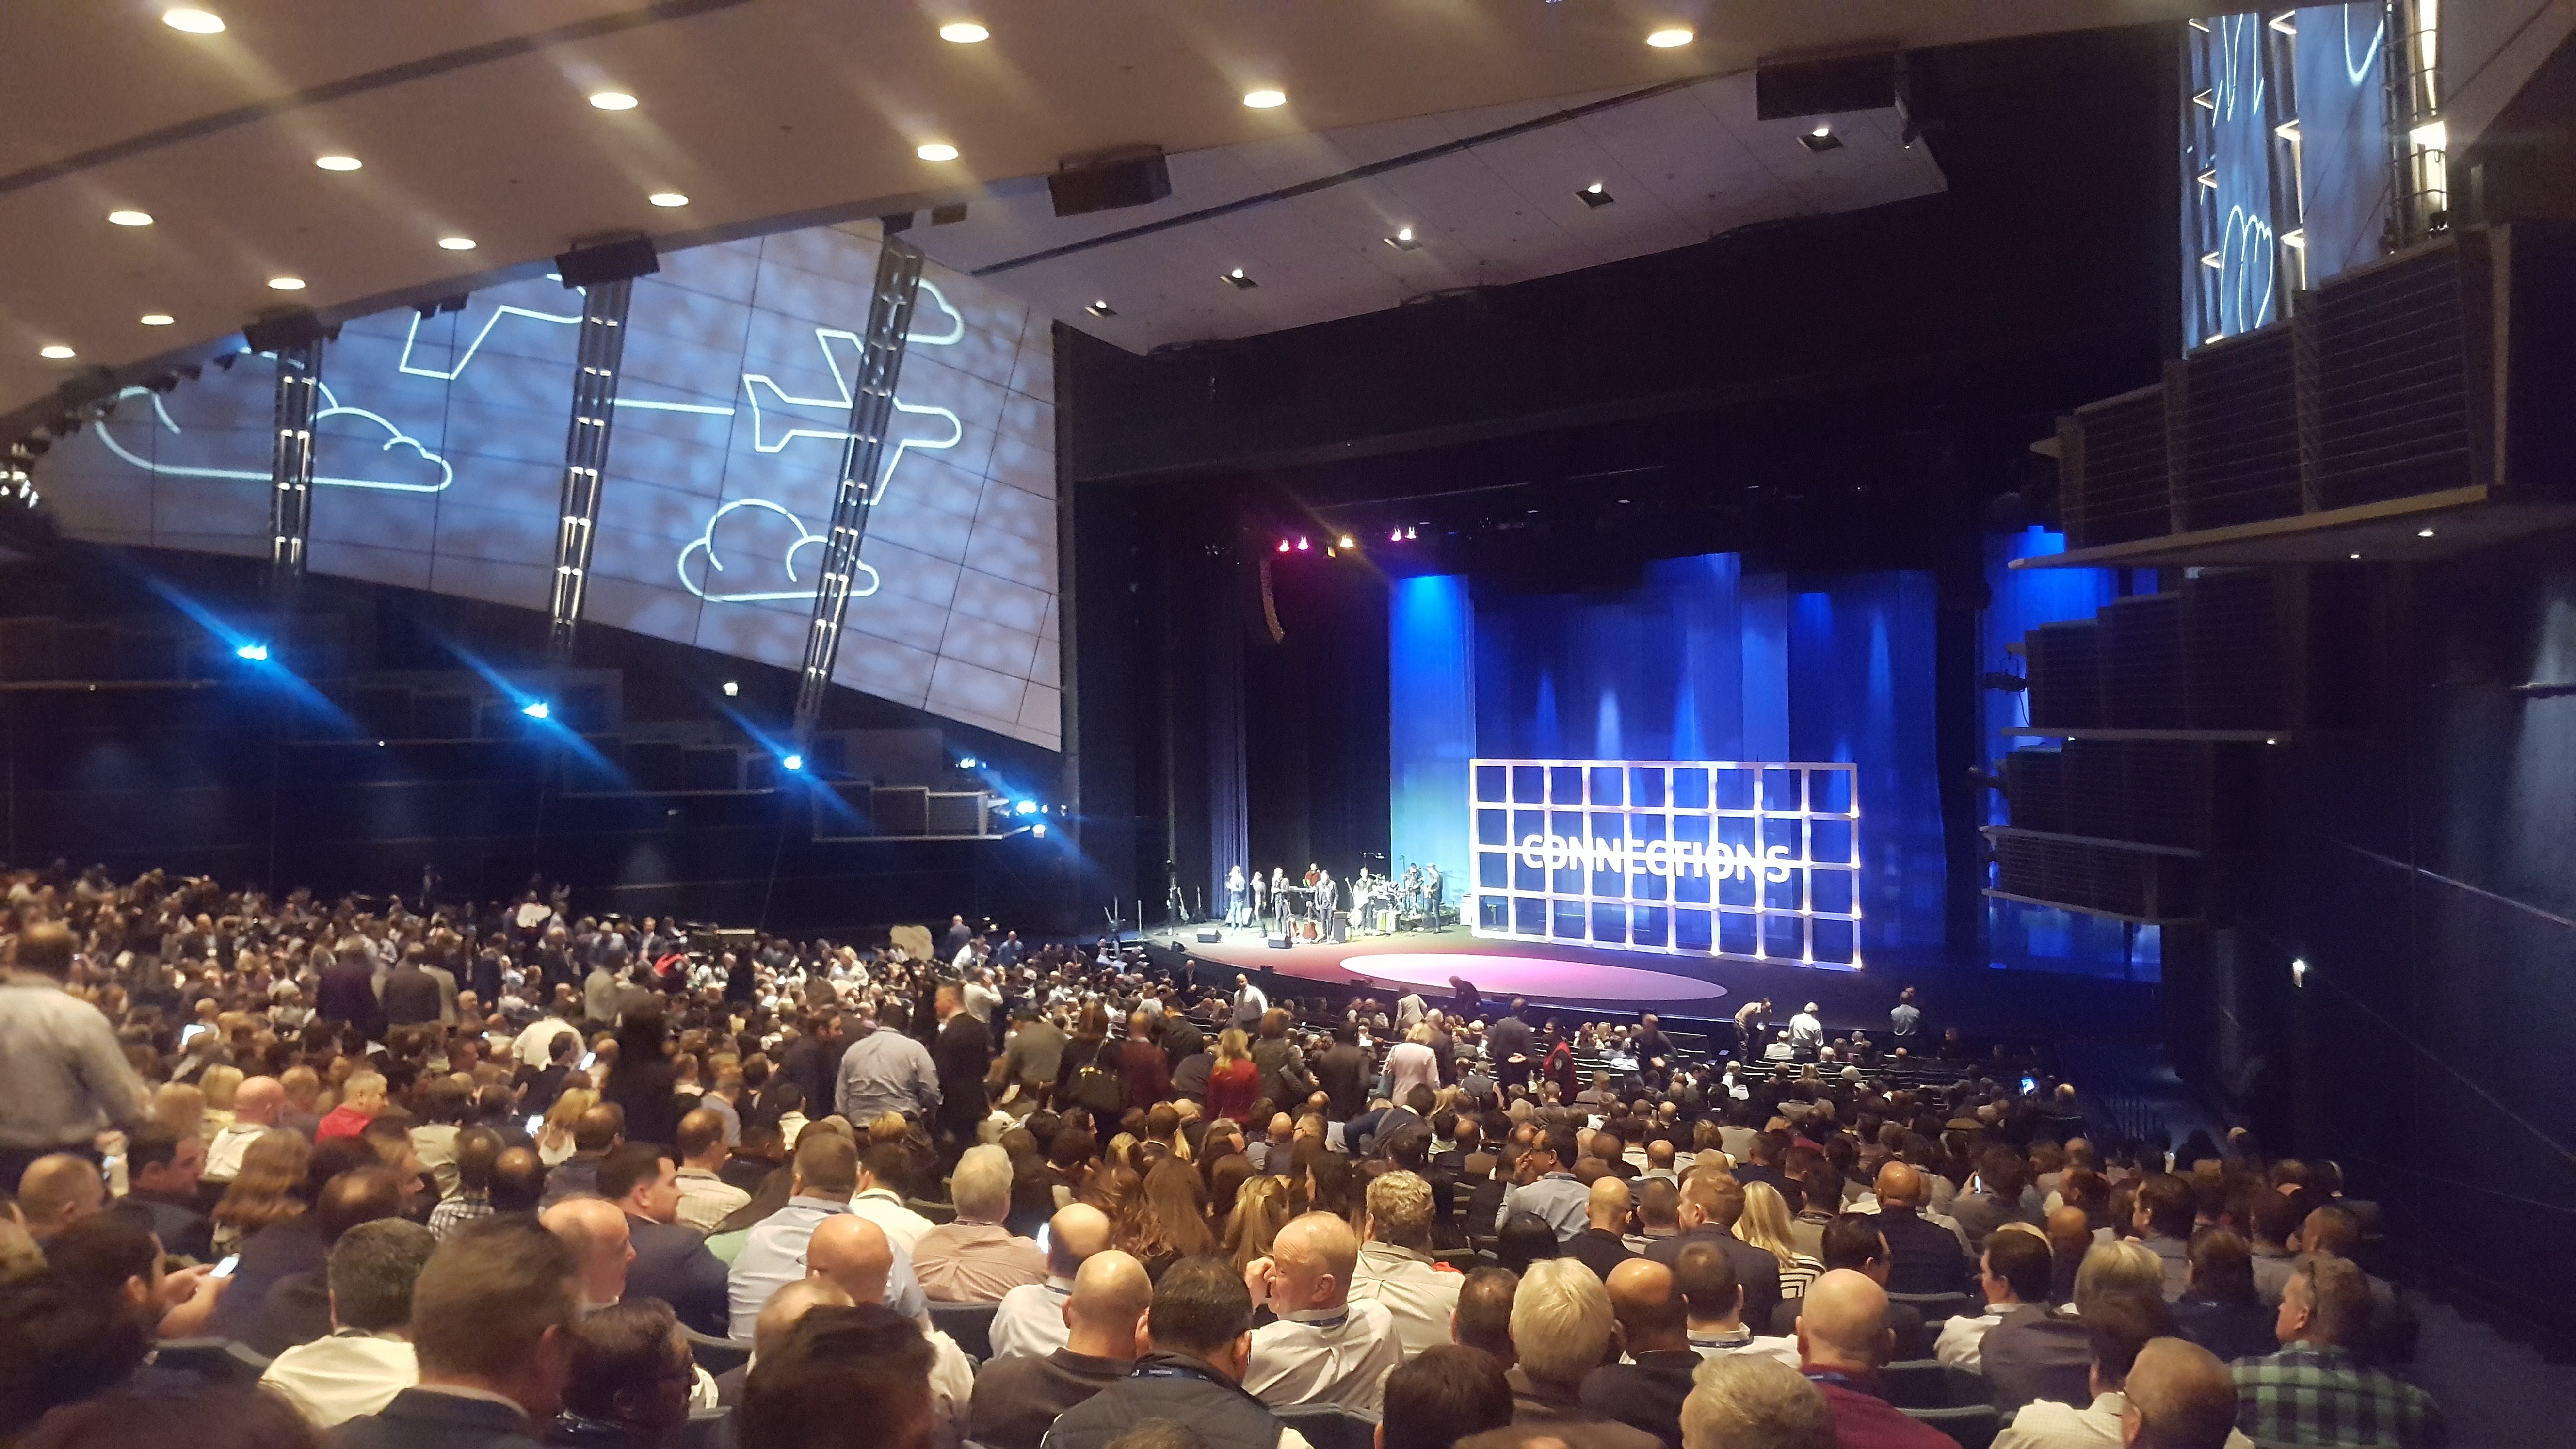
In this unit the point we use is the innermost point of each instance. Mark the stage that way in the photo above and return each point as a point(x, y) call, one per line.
point(1696, 990)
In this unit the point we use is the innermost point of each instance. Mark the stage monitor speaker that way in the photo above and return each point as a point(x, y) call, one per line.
point(612, 261)
point(1210, 935)
point(1108, 180)
point(1784, 90)
point(1277, 943)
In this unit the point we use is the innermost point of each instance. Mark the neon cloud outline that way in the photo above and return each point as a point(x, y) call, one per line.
point(705, 543)
point(332, 407)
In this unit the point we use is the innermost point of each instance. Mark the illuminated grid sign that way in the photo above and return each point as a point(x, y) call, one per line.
point(1754, 860)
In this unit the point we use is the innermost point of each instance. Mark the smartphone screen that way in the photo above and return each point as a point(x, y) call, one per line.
point(536, 1124)
point(587, 1058)
point(225, 1268)
point(2029, 1085)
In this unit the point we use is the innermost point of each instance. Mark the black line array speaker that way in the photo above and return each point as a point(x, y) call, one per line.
point(1110, 180)
point(614, 261)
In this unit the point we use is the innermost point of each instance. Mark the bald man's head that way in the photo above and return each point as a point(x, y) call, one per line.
point(852, 1253)
point(1105, 1316)
point(1608, 1207)
point(602, 1245)
point(2069, 1230)
point(1650, 1311)
point(2185, 1397)
point(57, 1191)
point(789, 1304)
point(1842, 1323)
point(1077, 1231)
point(1311, 1262)
point(259, 1101)
point(1901, 1185)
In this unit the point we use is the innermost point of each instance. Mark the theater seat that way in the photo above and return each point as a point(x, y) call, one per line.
point(706, 1429)
point(216, 1360)
point(1328, 1426)
point(971, 1324)
point(1973, 1427)
point(716, 1355)
point(1936, 1308)
point(1915, 1383)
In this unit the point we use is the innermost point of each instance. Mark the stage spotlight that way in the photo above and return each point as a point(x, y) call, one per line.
point(1302, 545)
point(1395, 535)
point(1038, 830)
point(2298, 972)
point(1346, 542)
point(1024, 807)
point(255, 653)
point(731, 688)
point(968, 763)
point(536, 709)
point(791, 762)
point(1408, 533)
point(1283, 545)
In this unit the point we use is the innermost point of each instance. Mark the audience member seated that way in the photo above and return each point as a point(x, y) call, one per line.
point(1843, 1338)
point(883, 1169)
point(2001, 1197)
point(1563, 1329)
point(1322, 1348)
point(1645, 1388)
point(368, 1356)
point(163, 1168)
point(594, 1132)
point(1745, 1402)
point(825, 1175)
point(477, 1150)
point(842, 1378)
point(297, 1306)
point(202, 1416)
point(2013, 1272)
point(2036, 1353)
point(1923, 1256)
point(2389, 1341)
point(777, 1317)
point(1483, 1320)
point(1547, 1187)
point(2163, 1219)
point(1030, 1320)
point(1714, 1304)
point(706, 1199)
point(670, 1262)
point(2315, 1391)
point(1395, 1266)
point(975, 1258)
point(1442, 1396)
point(2219, 1308)
point(595, 1230)
point(1711, 1202)
point(2117, 1331)
point(1602, 1245)
point(57, 1191)
point(855, 1256)
point(627, 1381)
point(1856, 1241)
point(1017, 1398)
point(492, 1318)
point(83, 1324)
point(1200, 1329)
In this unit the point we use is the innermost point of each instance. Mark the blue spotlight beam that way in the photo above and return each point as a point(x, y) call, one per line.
point(290, 496)
point(898, 286)
point(594, 406)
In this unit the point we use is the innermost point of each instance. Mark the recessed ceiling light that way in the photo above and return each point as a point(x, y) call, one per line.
point(964, 32)
point(193, 20)
point(1236, 278)
point(1101, 309)
point(1821, 139)
point(338, 163)
point(1403, 240)
point(157, 319)
point(667, 198)
point(1670, 36)
point(1596, 194)
point(2356, 555)
point(2423, 533)
point(1822, 131)
point(456, 243)
point(936, 151)
point(612, 100)
point(286, 284)
point(130, 218)
point(57, 352)
point(1263, 100)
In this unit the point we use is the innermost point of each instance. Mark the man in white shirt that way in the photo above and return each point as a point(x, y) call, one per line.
point(1249, 1003)
point(534, 1046)
point(1807, 1033)
point(368, 1358)
point(1030, 1322)
point(2015, 1269)
point(1714, 1301)
point(1395, 1267)
point(1324, 1348)
point(854, 1255)
point(2181, 1391)
point(878, 1202)
point(258, 1106)
point(978, 996)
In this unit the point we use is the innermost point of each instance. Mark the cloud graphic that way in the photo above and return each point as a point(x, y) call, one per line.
point(332, 407)
point(765, 534)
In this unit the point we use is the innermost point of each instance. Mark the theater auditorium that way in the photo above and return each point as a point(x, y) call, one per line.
point(1300, 724)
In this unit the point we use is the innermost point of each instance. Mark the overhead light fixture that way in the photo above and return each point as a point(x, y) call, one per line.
point(791, 761)
point(1670, 36)
point(193, 20)
point(1283, 545)
point(157, 319)
point(612, 100)
point(667, 198)
point(1024, 807)
point(1395, 535)
point(2356, 556)
point(1595, 194)
point(732, 688)
point(1263, 100)
point(286, 284)
point(1237, 279)
point(1302, 545)
point(1348, 542)
point(1038, 830)
point(536, 709)
point(130, 218)
point(338, 163)
point(968, 763)
point(56, 352)
point(936, 151)
point(1822, 130)
point(964, 32)
point(1821, 139)
point(1403, 240)
point(1408, 532)
point(1101, 309)
point(2423, 533)
point(456, 243)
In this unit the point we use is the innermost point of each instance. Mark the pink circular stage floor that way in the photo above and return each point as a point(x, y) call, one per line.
point(1545, 978)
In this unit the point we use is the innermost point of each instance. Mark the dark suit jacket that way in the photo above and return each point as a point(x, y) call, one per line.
point(347, 992)
point(411, 997)
point(269, 1256)
point(963, 1052)
point(298, 1311)
point(1343, 1072)
point(180, 1227)
point(2035, 1354)
point(1646, 1394)
point(673, 1264)
point(1600, 1252)
point(1924, 1257)
point(1017, 1399)
point(1757, 1270)
point(426, 1419)
point(2229, 1330)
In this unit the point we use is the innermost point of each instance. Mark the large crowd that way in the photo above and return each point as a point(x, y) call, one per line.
point(285, 1171)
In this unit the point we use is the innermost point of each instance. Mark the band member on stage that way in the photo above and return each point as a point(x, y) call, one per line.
point(1234, 895)
point(1314, 873)
point(1279, 897)
point(1431, 892)
point(1260, 898)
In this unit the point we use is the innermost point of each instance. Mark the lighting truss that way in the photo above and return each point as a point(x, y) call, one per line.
point(594, 406)
point(898, 284)
point(290, 494)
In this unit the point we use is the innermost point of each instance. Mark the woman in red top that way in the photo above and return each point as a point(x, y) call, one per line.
point(1234, 1083)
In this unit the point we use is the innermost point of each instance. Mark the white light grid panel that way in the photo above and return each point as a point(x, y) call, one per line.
point(1754, 860)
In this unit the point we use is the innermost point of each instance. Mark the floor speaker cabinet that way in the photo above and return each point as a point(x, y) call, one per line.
point(1209, 936)
point(1276, 943)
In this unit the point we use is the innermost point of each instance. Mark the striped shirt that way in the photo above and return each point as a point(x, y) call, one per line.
point(2308, 1395)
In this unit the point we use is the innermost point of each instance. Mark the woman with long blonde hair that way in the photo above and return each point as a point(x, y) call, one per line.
point(1234, 1082)
point(554, 1138)
point(269, 1188)
point(1260, 1211)
point(1765, 1225)
point(221, 1083)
